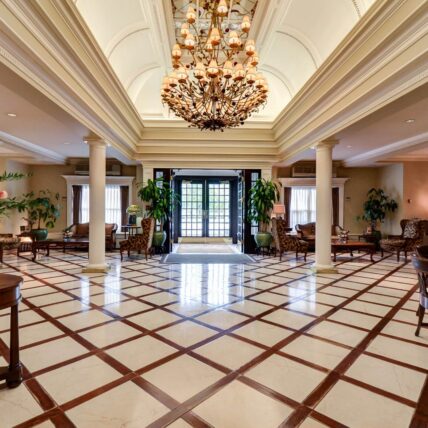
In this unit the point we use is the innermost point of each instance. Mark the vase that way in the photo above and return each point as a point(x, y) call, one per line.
point(159, 239)
point(39, 234)
point(263, 239)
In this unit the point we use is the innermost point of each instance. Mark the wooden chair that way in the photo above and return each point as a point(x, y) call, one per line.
point(140, 242)
point(420, 262)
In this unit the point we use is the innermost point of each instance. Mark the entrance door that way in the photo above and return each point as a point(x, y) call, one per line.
point(205, 209)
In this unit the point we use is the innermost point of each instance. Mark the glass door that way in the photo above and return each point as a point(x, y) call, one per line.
point(218, 214)
point(192, 208)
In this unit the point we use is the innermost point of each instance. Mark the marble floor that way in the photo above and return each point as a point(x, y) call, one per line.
point(257, 345)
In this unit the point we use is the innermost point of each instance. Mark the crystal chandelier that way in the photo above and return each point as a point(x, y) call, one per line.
point(215, 83)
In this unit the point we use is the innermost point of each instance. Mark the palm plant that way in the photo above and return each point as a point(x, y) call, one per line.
point(161, 197)
point(262, 197)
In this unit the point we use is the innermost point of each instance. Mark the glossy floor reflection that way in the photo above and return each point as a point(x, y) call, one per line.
point(257, 345)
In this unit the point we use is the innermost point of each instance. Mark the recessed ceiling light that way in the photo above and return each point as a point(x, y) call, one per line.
point(409, 120)
point(349, 147)
point(66, 144)
point(11, 114)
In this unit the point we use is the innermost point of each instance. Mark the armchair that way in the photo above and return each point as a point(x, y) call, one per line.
point(285, 242)
point(7, 242)
point(140, 242)
point(420, 263)
point(412, 235)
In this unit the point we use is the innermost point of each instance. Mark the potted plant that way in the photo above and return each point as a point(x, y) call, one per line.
point(376, 207)
point(262, 197)
point(162, 200)
point(133, 211)
point(8, 204)
point(42, 209)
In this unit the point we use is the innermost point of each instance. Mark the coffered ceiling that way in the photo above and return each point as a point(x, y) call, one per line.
point(294, 37)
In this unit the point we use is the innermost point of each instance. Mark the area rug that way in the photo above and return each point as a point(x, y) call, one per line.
point(206, 249)
point(234, 259)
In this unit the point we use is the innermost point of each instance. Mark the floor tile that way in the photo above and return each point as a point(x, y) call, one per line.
point(289, 319)
point(222, 319)
point(229, 352)
point(262, 332)
point(76, 379)
point(187, 333)
point(126, 405)
point(246, 408)
point(141, 352)
point(283, 375)
point(183, 377)
point(373, 410)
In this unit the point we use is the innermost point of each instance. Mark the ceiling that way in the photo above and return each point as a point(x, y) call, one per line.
point(294, 37)
point(385, 136)
point(39, 132)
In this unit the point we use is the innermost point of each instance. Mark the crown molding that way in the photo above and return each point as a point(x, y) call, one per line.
point(382, 58)
point(50, 46)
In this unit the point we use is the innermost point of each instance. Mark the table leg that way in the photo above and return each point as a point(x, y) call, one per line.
point(371, 255)
point(1, 254)
point(334, 256)
point(14, 377)
point(34, 251)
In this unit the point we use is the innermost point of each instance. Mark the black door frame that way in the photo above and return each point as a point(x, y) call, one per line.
point(233, 202)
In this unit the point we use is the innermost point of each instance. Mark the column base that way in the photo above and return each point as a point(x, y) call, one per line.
point(323, 269)
point(101, 268)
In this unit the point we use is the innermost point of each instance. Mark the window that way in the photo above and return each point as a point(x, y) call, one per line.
point(302, 206)
point(113, 205)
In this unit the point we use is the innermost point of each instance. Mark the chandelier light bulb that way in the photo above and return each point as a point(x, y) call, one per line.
point(173, 82)
point(181, 75)
point(246, 24)
point(189, 42)
point(239, 72)
point(251, 75)
point(250, 47)
point(176, 51)
point(260, 81)
point(212, 69)
point(191, 15)
point(184, 29)
point(234, 40)
point(222, 8)
point(215, 37)
point(199, 71)
point(254, 61)
point(228, 70)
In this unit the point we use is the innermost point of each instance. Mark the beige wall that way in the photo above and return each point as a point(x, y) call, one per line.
point(415, 194)
point(361, 180)
point(15, 189)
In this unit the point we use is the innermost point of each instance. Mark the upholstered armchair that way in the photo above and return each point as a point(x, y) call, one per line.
point(140, 242)
point(7, 242)
point(420, 263)
point(285, 242)
point(412, 235)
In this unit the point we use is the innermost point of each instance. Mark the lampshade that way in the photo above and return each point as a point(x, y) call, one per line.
point(278, 209)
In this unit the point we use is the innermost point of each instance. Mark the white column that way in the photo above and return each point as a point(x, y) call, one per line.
point(97, 186)
point(324, 183)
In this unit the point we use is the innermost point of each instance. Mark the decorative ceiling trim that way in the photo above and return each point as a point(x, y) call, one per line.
point(122, 36)
point(141, 71)
point(281, 76)
point(304, 42)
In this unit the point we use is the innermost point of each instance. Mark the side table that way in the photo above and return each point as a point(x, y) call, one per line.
point(10, 296)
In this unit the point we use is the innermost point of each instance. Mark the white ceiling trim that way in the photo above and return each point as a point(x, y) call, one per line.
point(281, 76)
point(123, 35)
point(141, 71)
point(303, 41)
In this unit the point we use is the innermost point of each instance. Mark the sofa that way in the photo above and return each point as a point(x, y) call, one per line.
point(307, 232)
point(81, 230)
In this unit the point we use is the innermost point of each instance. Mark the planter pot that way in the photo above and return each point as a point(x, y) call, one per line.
point(159, 239)
point(263, 239)
point(132, 219)
point(39, 234)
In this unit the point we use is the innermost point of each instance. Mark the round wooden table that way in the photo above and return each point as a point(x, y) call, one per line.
point(10, 296)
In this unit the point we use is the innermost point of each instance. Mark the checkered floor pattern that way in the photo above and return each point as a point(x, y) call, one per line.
point(258, 345)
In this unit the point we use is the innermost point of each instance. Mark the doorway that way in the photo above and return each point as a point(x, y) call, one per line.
point(206, 208)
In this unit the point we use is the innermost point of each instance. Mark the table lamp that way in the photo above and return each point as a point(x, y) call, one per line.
point(278, 210)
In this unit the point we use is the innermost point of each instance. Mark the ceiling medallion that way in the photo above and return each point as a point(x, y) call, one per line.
point(215, 83)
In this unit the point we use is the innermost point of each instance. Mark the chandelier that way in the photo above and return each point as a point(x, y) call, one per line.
point(215, 83)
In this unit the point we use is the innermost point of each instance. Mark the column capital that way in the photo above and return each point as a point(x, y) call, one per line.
point(95, 141)
point(330, 143)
